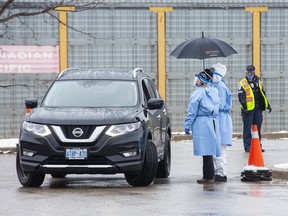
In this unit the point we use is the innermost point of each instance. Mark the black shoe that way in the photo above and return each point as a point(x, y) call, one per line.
point(248, 150)
point(205, 181)
point(263, 150)
point(219, 178)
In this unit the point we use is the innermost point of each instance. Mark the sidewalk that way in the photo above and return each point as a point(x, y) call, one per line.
point(279, 171)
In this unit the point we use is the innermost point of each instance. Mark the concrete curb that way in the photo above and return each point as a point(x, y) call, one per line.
point(280, 174)
point(6, 150)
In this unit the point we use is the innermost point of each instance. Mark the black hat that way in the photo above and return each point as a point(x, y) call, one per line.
point(206, 75)
point(250, 68)
point(212, 69)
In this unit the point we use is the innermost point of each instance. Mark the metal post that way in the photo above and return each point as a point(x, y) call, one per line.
point(161, 48)
point(256, 36)
point(63, 43)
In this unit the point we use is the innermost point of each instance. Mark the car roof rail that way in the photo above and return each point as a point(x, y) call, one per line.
point(137, 70)
point(63, 72)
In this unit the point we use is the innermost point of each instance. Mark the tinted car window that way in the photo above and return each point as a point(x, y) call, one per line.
point(92, 93)
point(153, 88)
point(148, 90)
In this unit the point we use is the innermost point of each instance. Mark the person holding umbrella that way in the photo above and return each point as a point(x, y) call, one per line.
point(253, 100)
point(225, 121)
point(202, 118)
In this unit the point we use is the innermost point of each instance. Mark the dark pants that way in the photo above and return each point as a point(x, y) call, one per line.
point(250, 118)
point(208, 167)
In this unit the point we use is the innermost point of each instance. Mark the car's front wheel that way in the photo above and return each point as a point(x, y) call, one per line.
point(28, 179)
point(165, 165)
point(148, 172)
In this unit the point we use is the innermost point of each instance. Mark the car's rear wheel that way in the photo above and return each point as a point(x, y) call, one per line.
point(28, 179)
point(165, 165)
point(148, 172)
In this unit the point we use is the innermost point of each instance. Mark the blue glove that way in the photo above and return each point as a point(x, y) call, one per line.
point(187, 131)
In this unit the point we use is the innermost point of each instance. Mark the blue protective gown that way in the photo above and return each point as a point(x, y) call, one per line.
point(225, 121)
point(202, 117)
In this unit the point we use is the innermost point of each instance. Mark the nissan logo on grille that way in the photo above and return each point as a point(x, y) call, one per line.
point(77, 132)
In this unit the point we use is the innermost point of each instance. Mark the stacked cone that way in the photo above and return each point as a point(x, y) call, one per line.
point(255, 171)
point(255, 156)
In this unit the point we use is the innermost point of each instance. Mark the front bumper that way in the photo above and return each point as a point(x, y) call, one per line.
point(105, 155)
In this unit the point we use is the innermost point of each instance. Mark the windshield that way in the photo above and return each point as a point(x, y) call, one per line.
point(92, 93)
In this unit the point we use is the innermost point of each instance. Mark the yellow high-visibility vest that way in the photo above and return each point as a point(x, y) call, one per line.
point(250, 100)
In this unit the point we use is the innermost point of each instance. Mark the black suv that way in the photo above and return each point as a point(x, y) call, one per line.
point(96, 122)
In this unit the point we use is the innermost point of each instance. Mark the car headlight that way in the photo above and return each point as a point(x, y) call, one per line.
point(116, 130)
point(38, 129)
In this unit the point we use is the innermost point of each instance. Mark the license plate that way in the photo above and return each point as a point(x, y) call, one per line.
point(76, 154)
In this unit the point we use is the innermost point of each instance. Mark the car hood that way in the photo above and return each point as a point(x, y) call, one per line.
point(82, 116)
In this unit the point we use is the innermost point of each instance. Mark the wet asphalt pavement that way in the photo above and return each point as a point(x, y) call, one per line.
point(177, 195)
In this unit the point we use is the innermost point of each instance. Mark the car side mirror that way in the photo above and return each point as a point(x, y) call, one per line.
point(31, 103)
point(155, 103)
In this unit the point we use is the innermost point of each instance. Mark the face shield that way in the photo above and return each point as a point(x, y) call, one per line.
point(199, 81)
point(195, 81)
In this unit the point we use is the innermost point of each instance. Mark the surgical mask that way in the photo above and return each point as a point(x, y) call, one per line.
point(216, 77)
point(250, 77)
point(199, 85)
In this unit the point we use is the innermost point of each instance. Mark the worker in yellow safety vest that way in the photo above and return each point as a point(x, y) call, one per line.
point(253, 100)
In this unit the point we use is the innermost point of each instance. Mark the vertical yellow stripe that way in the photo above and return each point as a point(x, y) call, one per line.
point(256, 41)
point(161, 48)
point(256, 36)
point(63, 43)
point(161, 55)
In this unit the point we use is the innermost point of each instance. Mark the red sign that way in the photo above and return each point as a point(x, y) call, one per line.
point(29, 59)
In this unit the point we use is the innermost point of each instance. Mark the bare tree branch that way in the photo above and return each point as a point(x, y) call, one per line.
point(81, 6)
point(70, 27)
point(28, 26)
point(5, 6)
point(25, 14)
point(5, 30)
point(26, 85)
point(95, 3)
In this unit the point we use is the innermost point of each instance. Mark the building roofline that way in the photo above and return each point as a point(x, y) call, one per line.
point(193, 4)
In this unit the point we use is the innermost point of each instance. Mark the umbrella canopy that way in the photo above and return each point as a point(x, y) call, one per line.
point(203, 48)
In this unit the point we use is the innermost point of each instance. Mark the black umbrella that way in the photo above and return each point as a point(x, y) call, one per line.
point(203, 48)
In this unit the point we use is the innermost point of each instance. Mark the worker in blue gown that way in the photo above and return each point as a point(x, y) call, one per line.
point(225, 121)
point(202, 118)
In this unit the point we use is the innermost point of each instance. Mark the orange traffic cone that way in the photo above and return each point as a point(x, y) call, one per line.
point(255, 156)
point(255, 171)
